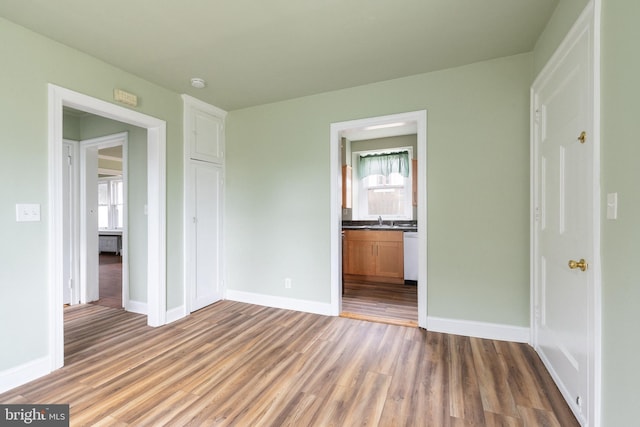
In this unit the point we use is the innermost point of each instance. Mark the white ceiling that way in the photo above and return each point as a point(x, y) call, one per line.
point(253, 52)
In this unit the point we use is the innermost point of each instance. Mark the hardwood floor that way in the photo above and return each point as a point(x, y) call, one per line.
point(244, 365)
point(110, 280)
point(381, 302)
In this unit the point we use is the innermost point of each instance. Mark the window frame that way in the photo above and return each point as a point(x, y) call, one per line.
point(357, 187)
point(112, 211)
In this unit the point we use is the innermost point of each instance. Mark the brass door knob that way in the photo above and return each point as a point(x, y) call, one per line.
point(582, 264)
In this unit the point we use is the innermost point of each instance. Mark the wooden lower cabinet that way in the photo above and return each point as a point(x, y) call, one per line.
point(373, 256)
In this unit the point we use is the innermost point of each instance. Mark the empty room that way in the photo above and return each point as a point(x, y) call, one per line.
point(320, 213)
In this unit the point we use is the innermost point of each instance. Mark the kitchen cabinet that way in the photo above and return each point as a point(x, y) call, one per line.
point(373, 256)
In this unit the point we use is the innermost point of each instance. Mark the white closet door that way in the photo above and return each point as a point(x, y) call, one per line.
point(205, 233)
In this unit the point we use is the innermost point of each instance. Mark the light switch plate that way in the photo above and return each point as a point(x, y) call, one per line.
point(612, 206)
point(27, 212)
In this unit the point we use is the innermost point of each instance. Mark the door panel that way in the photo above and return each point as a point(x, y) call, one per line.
point(205, 262)
point(208, 141)
point(565, 225)
point(89, 221)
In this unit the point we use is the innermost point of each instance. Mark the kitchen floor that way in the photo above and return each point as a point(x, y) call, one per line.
point(381, 302)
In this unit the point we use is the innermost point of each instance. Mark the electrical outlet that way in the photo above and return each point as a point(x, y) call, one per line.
point(27, 212)
point(287, 283)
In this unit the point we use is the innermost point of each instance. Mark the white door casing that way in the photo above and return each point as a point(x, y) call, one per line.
point(156, 202)
point(565, 219)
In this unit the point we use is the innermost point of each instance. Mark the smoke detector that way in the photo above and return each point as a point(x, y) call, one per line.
point(198, 83)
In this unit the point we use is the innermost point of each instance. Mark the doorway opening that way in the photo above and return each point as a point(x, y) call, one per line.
point(342, 291)
point(155, 201)
point(112, 187)
point(96, 210)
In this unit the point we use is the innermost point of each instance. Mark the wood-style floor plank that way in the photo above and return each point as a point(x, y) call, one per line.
point(234, 364)
point(381, 302)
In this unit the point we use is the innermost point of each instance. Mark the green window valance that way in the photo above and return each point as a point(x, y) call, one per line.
point(384, 164)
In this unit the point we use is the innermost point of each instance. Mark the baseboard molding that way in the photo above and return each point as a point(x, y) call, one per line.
point(176, 314)
point(14, 377)
point(469, 328)
point(137, 307)
point(280, 302)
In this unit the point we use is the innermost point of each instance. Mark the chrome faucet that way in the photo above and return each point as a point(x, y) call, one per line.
point(380, 220)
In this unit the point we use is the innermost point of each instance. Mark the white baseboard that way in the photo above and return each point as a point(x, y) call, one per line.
point(16, 376)
point(469, 328)
point(492, 331)
point(137, 307)
point(176, 314)
point(280, 302)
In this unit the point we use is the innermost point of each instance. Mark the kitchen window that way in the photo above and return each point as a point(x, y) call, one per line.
point(384, 185)
point(110, 204)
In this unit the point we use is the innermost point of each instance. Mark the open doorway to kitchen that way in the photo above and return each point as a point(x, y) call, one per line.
point(378, 199)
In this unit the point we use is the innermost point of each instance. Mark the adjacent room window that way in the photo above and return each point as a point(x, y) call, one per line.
point(110, 204)
point(384, 184)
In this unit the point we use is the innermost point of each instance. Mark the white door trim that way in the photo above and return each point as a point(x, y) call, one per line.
point(420, 118)
point(156, 203)
point(74, 209)
point(589, 21)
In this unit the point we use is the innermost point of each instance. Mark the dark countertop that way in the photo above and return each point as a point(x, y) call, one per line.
point(374, 225)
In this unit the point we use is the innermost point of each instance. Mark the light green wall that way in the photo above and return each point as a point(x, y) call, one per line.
point(278, 177)
point(29, 62)
point(71, 127)
point(620, 238)
point(557, 28)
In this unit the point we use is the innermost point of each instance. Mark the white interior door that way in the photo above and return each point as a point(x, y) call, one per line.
point(565, 221)
point(205, 233)
point(70, 197)
point(89, 225)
